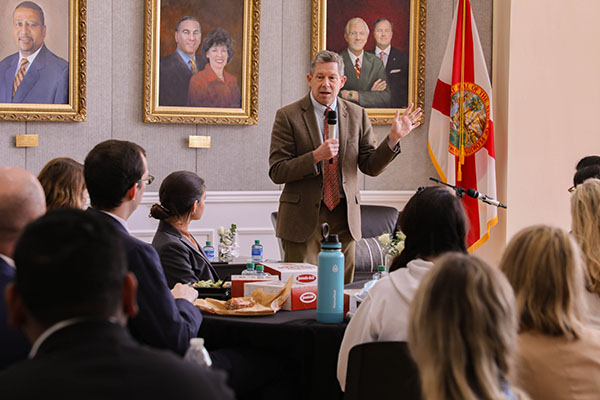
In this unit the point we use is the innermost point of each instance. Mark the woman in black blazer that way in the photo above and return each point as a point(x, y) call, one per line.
point(181, 195)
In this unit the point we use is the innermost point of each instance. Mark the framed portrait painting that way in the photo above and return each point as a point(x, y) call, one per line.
point(382, 43)
point(201, 61)
point(43, 60)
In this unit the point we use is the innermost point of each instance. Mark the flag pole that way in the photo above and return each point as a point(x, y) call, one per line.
point(461, 127)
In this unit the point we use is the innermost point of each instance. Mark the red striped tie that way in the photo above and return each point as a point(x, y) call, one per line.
point(357, 69)
point(20, 75)
point(331, 183)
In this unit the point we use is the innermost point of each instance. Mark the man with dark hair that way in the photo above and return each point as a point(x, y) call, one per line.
point(21, 201)
point(34, 74)
point(394, 60)
point(177, 68)
point(116, 176)
point(72, 296)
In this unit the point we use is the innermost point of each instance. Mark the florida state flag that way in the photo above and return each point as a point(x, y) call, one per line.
point(461, 132)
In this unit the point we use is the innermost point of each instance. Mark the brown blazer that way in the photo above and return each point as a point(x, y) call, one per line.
point(295, 135)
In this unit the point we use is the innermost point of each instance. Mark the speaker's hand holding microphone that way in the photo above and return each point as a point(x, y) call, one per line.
point(330, 147)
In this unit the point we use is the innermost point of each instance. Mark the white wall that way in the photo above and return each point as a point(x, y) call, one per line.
point(547, 95)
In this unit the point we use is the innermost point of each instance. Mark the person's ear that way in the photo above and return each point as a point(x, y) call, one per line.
point(17, 311)
point(195, 206)
point(132, 191)
point(343, 81)
point(129, 295)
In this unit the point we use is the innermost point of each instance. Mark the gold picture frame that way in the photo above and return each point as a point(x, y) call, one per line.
point(61, 96)
point(240, 19)
point(413, 21)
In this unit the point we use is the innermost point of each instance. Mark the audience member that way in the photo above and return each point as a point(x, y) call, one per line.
point(116, 175)
point(434, 223)
point(585, 227)
point(72, 296)
point(559, 357)
point(21, 201)
point(463, 331)
point(181, 195)
point(63, 183)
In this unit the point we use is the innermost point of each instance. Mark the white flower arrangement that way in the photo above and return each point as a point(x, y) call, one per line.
point(228, 248)
point(393, 244)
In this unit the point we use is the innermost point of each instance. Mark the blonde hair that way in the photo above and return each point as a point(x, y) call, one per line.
point(543, 265)
point(63, 183)
point(585, 225)
point(463, 330)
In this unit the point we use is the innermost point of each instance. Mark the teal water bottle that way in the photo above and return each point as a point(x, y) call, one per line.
point(330, 296)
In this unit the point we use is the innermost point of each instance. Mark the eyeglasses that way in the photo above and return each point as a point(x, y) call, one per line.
point(148, 180)
point(571, 189)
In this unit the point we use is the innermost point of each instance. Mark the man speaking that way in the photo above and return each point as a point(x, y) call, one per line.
point(317, 190)
point(34, 74)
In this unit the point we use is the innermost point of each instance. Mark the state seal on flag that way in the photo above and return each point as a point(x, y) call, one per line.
point(469, 118)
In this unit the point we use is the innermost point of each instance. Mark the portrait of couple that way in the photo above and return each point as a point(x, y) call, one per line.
point(196, 73)
point(198, 80)
point(34, 73)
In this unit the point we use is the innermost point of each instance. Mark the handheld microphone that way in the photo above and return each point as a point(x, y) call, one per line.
point(332, 122)
point(488, 200)
point(460, 192)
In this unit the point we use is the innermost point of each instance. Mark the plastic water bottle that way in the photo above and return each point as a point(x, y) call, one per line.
point(260, 271)
point(380, 273)
point(197, 353)
point(257, 251)
point(330, 300)
point(249, 269)
point(209, 250)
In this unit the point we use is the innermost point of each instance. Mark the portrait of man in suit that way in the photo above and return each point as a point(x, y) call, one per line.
point(366, 80)
point(177, 69)
point(34, 74)
point(394, 60)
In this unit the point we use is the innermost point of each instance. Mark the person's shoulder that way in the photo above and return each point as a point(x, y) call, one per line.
point(302, 104)
point(351, 107)
point(6, 61)
point(52, 58)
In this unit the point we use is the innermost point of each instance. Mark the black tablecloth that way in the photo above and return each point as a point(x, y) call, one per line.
point(308, 348)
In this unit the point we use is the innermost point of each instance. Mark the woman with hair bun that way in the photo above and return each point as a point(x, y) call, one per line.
point(181, 195)
point(463, 331)
point(434, 223)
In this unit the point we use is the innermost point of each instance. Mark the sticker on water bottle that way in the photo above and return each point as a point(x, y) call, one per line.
point(334, 268)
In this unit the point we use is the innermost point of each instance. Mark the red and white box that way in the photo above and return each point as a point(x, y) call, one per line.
point(351, 302)
point(239, 281)
point(302, 297)
point(302, 272)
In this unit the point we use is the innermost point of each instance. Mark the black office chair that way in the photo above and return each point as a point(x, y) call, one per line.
point(382, 371)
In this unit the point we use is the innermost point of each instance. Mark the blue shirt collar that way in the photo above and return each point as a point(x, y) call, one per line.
point(185, 57)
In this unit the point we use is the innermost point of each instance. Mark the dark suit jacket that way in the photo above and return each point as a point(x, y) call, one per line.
point(13, 344)
point(96, 359)
point(174, 81)
point(181, 261)
point(371, 70)
point(396, 71)
point(294, 137)
point(46, 81)
point(163, 321)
